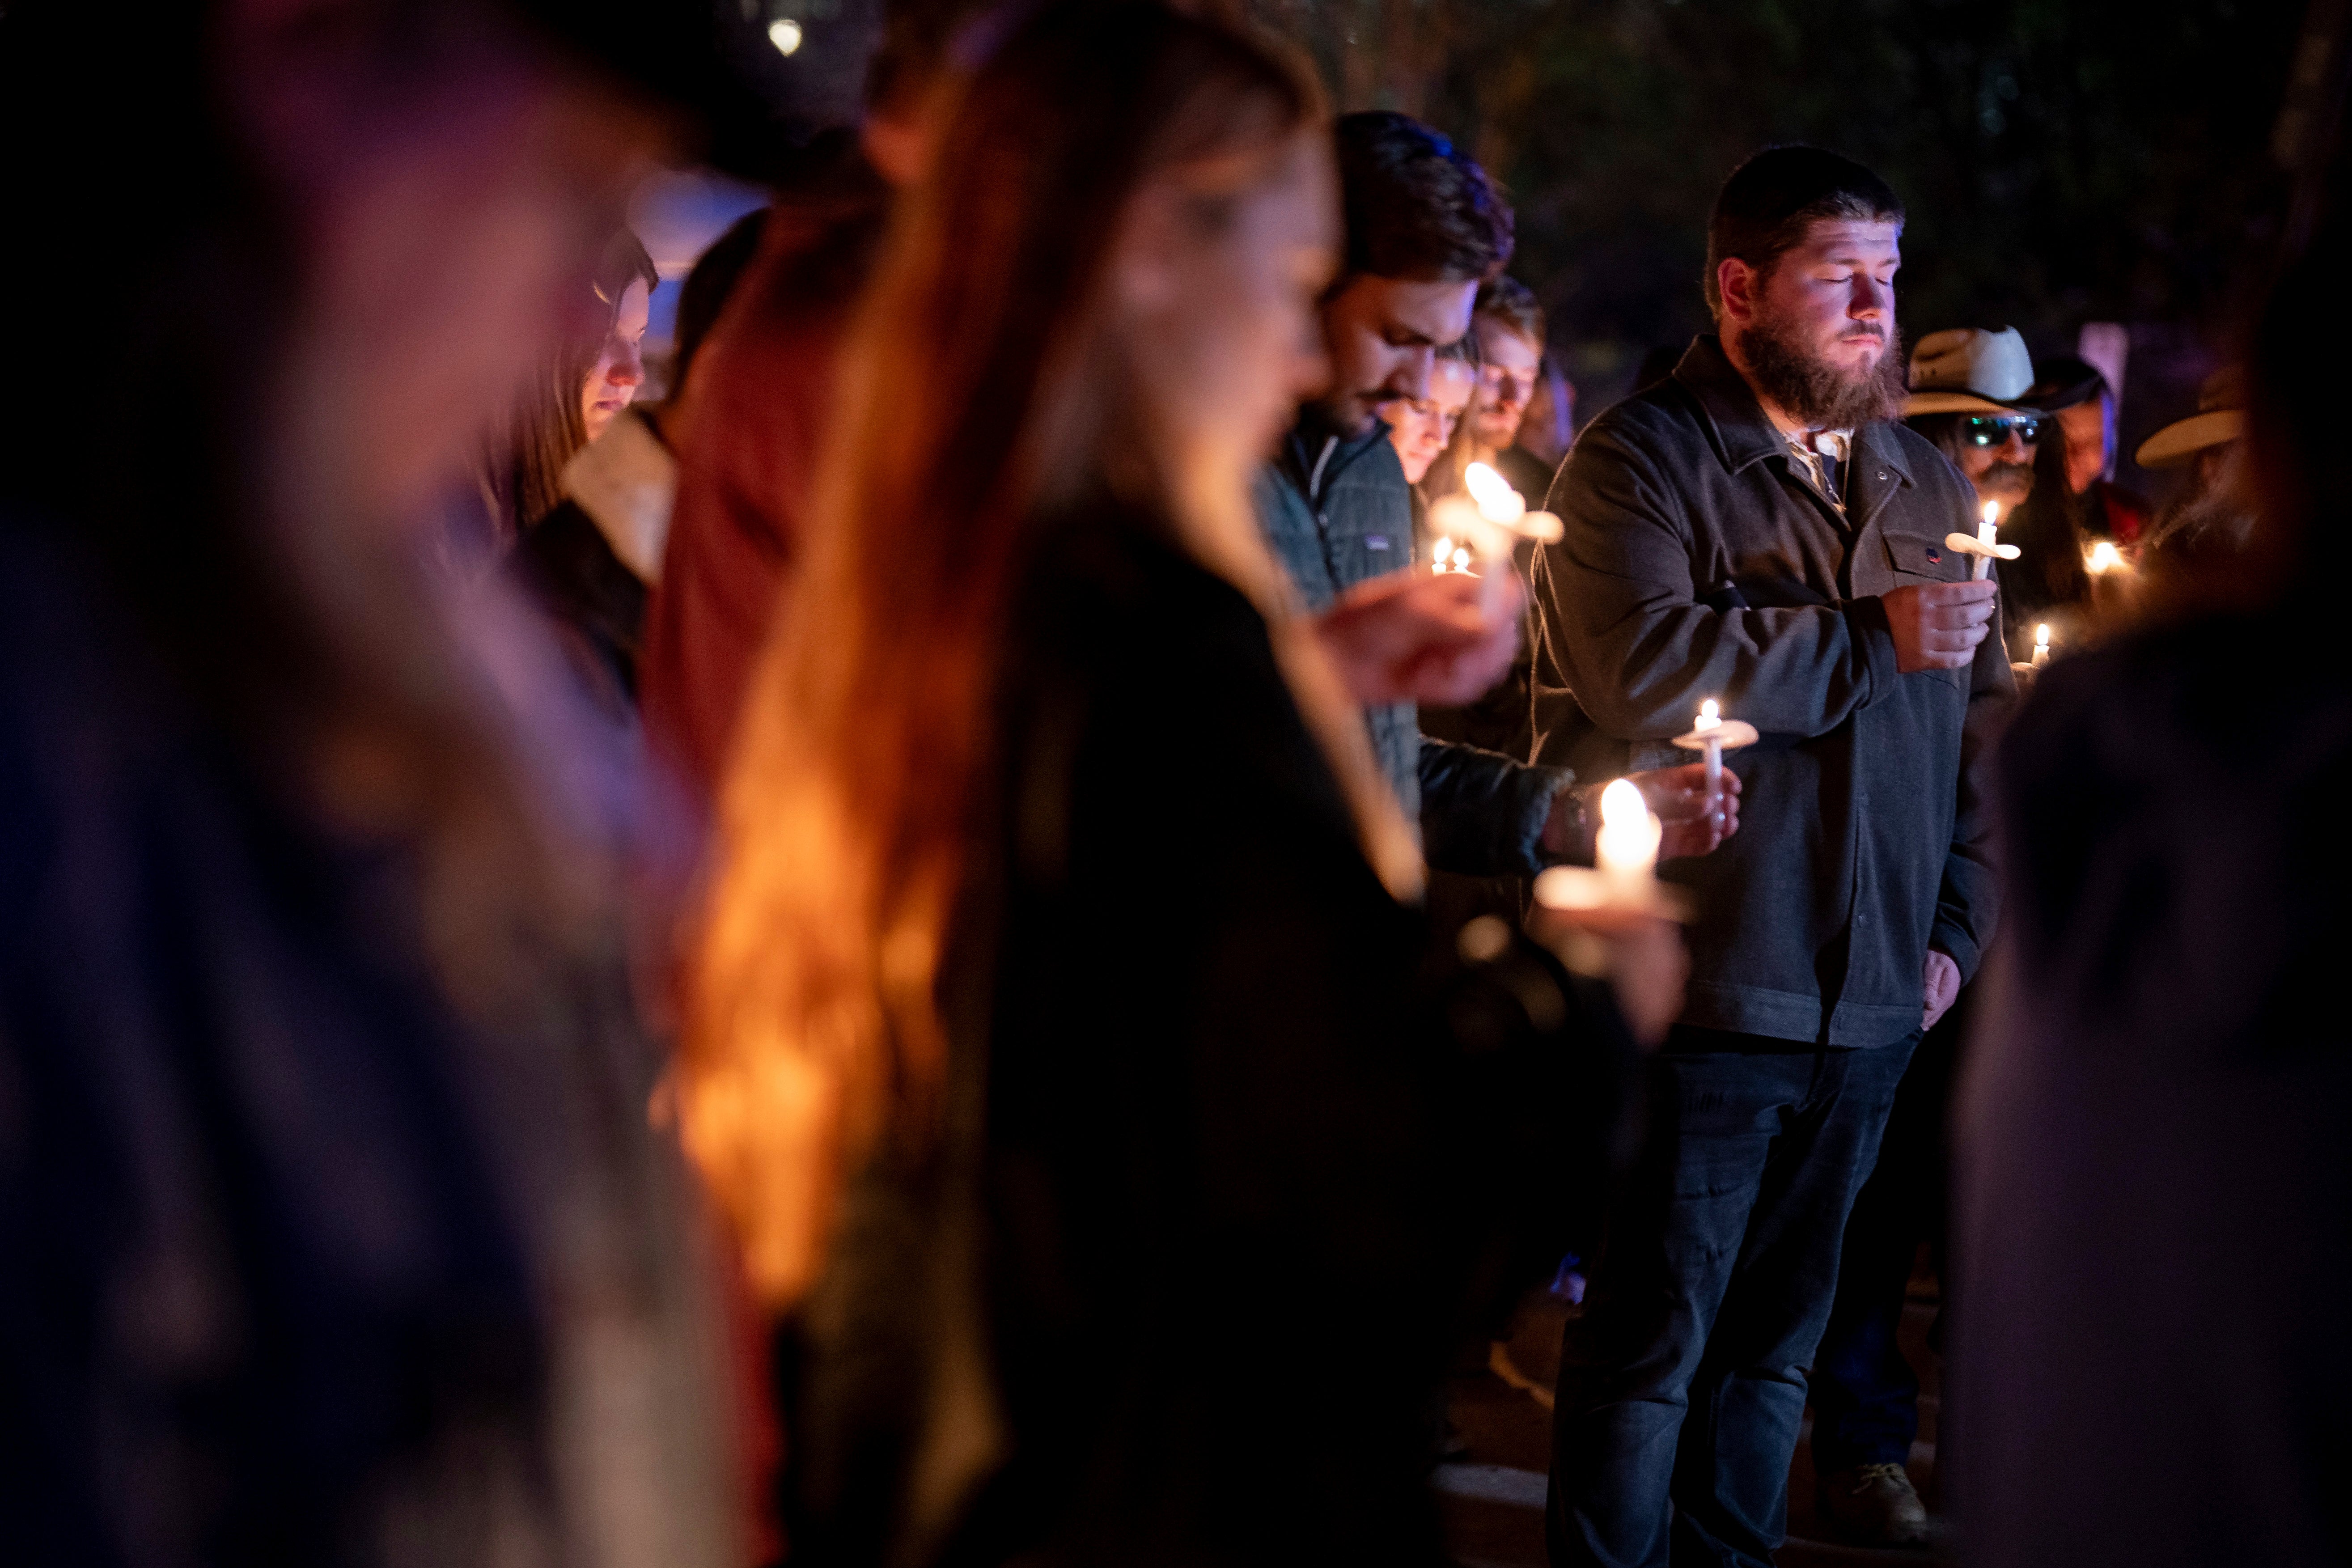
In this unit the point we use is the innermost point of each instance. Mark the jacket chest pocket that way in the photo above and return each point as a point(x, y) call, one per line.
point(1376, 554)
point(1926, 557)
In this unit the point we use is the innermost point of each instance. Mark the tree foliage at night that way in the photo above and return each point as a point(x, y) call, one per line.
point(2063, 160)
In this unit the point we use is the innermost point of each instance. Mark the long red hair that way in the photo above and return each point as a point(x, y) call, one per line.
point(974, 389)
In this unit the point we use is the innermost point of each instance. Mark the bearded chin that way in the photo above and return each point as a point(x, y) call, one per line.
point(1789, 372)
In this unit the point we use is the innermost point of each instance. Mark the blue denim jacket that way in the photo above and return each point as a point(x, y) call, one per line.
point(1338, 513)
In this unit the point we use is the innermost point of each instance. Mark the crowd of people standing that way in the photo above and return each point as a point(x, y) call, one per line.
point(822, 971)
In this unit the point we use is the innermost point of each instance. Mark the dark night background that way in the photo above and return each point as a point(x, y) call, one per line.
point(2063, 160)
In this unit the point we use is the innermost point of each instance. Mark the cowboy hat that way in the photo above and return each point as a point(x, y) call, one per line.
point(2221, 416)
point(2065, 382)
point(1967, 370)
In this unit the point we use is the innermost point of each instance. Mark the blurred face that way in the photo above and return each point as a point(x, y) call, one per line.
point(1507, 383)
point(620, 367)
point(1549, 418)
point(2089, 429)
point(1384, 334)
point(443, 218)
point(1420, 431)
point(1215, 279)
point(1814, 334)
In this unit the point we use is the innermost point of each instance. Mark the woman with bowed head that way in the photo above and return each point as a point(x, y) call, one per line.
point(1062, 1035)
point(570, 396)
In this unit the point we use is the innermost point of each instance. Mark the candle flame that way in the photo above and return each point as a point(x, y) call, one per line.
point(1444, 556)
point(1498, 502)
point(1621, 805)
point(1710, 714)
point(1992, 512)
point(2042, 637)
point(2103, 559)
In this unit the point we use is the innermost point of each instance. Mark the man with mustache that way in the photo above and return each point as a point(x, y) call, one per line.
point(1757, 528)
point(1965, 383)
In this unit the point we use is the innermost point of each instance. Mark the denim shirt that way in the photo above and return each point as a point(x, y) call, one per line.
point(1338, 512)
point(1699, 560)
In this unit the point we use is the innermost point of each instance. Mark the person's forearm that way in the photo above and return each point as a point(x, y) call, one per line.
point(1483, 814)
point(1786, 671)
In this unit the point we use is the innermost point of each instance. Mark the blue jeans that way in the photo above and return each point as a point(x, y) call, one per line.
point(1865, 1397)
point(1682, 1381)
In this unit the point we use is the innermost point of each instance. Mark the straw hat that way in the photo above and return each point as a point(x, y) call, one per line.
point(1967, 370)
point(2221, 416)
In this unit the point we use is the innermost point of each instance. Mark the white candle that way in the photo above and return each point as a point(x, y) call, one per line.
point(1710, 719)
point(1499, 507)
point(1626, 848)
point(1988, 535)
point(2041, 645)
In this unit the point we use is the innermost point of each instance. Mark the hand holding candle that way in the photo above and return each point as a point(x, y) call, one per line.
point(1713, 735)
point(1491, 518)
point(1624, 881)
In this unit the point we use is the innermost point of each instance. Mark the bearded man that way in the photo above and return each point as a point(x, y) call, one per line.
point(1757, 529)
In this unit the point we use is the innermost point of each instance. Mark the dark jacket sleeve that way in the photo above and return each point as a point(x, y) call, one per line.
point(1483, 814)
point(1626, 625)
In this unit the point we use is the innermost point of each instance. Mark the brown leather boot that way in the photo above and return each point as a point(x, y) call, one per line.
point(1875, 1505)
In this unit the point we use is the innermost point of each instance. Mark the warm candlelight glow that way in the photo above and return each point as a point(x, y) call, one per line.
point(1496, 498)
point(1626, 850)
point(2041, 645)
point(1710, 714)
point(1444, 557)
point(2103, 559)
point(1992, 516)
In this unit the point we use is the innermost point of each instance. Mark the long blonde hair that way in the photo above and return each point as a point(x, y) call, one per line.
point(974, 382)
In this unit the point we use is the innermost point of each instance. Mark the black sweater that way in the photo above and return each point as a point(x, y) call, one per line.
point(1231, 1158)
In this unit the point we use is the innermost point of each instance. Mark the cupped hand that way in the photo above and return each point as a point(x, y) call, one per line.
point(1641, 956)
point(1938, 626)
point(1696, 821)
point(1416, 636)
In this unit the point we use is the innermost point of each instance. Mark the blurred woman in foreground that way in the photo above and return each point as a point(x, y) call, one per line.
point(1061, 1043)
point(331, 1230)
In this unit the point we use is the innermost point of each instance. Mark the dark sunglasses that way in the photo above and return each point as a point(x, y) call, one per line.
point(1994, 430)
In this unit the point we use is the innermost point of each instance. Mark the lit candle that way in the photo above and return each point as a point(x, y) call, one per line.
point(2103, 559)
point(1489, 519)
point(1985, 545)
point(2041, 645)
point(1626, 849)
point(1710, 721)
point(1444, 557)
point(1713, 734)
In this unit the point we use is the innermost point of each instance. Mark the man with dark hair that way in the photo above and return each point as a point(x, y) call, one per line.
point(1757, 529)
point(1509, 326)
point(1425, 227)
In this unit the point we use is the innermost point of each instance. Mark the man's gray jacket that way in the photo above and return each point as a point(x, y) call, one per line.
point(1338, 512)
point(1700, 561)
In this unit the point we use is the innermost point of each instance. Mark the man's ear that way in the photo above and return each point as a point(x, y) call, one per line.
point(1735, 284)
